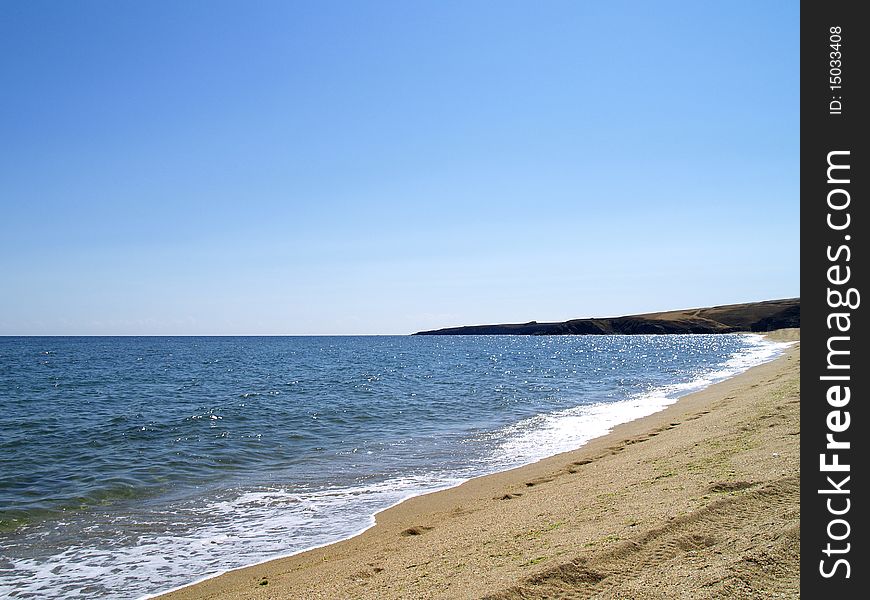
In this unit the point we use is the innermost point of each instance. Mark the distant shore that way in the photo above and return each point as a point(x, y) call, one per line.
point(757, 317)
point(699, 500)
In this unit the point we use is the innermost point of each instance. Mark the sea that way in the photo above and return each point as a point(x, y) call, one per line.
point(134, 465)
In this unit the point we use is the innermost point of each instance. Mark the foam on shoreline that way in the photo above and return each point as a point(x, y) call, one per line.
point(526, 442)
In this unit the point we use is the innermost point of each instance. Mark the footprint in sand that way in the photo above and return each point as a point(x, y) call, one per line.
point(730, 486)
point(418, 530)
point(535, 482)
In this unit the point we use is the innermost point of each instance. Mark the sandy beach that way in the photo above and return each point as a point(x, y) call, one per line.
point(700, 500)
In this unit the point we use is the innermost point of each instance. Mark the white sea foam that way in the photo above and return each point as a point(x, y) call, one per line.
point(244, 529)
point(547, 434)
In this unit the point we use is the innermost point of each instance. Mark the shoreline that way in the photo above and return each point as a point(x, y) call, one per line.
point(340, 569)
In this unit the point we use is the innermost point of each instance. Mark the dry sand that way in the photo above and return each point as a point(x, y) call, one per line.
point(700, 500)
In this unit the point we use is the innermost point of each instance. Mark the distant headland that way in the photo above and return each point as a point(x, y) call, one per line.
point(731, 318)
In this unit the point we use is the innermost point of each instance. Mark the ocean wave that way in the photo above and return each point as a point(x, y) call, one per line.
point(560, 431)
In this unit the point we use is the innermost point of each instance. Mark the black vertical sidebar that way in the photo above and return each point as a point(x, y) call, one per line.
point(835, 369)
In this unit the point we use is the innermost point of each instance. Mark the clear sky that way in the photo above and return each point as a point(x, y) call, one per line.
point(383, 167)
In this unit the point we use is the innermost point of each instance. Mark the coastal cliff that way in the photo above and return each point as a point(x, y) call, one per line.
point(732, 318)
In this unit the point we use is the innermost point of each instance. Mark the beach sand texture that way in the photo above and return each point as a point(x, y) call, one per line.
point(700, 500)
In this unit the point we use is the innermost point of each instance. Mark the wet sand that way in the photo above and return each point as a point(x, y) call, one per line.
point(700, 500)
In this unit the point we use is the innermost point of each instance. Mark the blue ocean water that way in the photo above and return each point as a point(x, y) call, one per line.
point(130, 466)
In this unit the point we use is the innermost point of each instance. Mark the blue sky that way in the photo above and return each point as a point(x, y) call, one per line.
point(384, 167)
